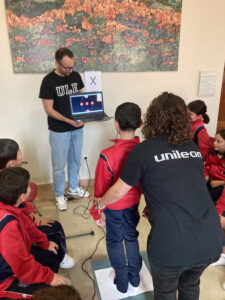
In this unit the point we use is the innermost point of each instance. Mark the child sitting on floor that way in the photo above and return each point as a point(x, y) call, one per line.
point(122, 217)
point(10, 156)
point(197, 112)
point(20, 273)
point(214, 171)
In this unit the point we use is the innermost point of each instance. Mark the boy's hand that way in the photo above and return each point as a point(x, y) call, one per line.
point(216, 183)
point(222, 221)
point(58, 280)
point(53, 247)
point(206, 178)
point(36, 218)
point(100, 222)
point(40, 221)
point(45, 221)
point(145, 212)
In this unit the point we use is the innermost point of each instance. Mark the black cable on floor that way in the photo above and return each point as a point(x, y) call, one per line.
point(86, 215)
point(90, 257)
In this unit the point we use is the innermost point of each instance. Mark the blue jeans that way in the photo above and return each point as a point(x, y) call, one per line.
point(121, 227)
point(55, 233)
point(66, 147)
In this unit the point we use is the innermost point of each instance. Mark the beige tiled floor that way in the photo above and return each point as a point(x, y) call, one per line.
point(82, 247)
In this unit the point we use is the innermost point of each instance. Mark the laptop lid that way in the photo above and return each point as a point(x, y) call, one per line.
point(87, 106)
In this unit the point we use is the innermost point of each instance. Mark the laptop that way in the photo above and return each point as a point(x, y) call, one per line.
point(88, 107)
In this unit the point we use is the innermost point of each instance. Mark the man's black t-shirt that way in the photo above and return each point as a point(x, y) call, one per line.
point(59, 88)
point(185, 225)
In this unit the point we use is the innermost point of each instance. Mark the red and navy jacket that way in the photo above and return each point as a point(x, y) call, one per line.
point(17, 234)
point(201, 138)
point(109, 167)
point(214, 166)
point(220, 205)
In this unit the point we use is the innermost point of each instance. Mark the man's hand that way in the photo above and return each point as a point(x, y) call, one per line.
point(58, 280)
point(74, 123)
point(53, 247)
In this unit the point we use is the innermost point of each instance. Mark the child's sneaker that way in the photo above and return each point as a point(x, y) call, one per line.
point(61, 203)
point(220, 261)
point(67, 262)
point(79, 191)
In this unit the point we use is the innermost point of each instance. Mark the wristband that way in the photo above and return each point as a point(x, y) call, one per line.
point(99, 206)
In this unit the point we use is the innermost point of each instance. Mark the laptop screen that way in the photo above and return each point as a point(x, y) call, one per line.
point(86, 103)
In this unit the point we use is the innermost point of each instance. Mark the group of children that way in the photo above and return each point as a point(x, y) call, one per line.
point(33, 248)
point(213, 152)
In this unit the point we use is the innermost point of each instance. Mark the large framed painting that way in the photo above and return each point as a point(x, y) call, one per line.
point(104, 35)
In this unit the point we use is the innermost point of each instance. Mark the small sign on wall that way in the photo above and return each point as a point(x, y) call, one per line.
point(207, 84)
point(93, 81)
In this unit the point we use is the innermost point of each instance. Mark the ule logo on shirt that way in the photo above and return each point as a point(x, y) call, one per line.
point(63, 90)
point(175, 154)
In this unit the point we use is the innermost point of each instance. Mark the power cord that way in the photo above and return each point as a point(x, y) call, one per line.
point(86, 215)
point(90, 257)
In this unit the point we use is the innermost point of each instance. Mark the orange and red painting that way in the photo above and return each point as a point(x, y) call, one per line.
point(104, 35)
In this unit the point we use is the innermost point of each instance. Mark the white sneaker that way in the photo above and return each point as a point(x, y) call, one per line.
point(220, 261)
point(61, 203)
point(67, 262)
point(79, 191)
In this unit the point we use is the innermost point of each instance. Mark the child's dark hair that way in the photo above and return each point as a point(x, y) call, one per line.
point(167, 116)
point(61, 52)
point(222, 133)
point(13, 183)
point(128, 116)
point(199, 108)
point(8, 151)
point(57, 293)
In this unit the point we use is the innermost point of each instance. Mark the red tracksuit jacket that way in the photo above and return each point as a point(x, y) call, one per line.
point(109, 167)
point(17, 233)
point(215, 169)
point(204, 141)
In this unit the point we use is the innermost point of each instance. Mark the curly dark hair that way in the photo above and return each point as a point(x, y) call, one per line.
point(57, 293)
point(167, 116)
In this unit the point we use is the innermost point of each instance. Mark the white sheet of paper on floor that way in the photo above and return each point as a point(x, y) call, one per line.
point(108, 290)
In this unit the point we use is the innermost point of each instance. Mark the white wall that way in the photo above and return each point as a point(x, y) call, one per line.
point(202, 48)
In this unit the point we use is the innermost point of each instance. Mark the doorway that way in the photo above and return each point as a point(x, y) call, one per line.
point(221, 116)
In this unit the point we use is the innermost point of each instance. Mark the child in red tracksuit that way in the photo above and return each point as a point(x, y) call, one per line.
point(10, 156)
point(214, 170)
point(122, 217)
point(20, 273)
point(197, 112)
